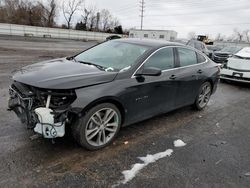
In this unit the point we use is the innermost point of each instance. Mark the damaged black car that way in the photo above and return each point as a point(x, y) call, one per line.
point(109, 86)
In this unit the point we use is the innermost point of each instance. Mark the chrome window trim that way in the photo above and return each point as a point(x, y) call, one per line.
point(166, 70)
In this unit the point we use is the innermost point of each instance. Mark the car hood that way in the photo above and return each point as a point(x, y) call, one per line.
point(239, 64)
point(62, 74)
point(244, 53)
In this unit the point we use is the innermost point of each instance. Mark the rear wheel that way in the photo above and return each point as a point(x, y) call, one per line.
point(203, 97)
point(98, 127)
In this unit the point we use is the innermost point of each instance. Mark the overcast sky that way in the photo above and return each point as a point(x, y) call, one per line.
point(201, 16)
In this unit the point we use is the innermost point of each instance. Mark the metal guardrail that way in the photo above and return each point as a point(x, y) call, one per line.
point(44, 32)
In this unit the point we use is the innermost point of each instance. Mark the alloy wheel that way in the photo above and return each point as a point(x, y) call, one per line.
point(204, 95)
point(102, 127)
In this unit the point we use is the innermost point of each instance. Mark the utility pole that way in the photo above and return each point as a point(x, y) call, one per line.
point(142, 10)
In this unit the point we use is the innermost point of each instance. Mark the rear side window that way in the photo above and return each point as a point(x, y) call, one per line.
point(162, 59)
point(187, 57)
point(200, 58)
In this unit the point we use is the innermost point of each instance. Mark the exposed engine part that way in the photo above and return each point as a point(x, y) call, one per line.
point(47, 126)
point(44, 111)
point(21, 104)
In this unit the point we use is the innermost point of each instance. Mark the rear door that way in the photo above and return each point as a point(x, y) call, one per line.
point(190, 75)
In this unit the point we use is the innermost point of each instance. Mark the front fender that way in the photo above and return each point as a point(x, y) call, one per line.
point(90, 96)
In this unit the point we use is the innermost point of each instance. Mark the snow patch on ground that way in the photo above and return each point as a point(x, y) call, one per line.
point(179, 143)
point(130, 174)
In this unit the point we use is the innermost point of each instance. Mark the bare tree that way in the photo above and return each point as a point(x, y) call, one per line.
point(89, 17)
point(98, 16)
point(49, 13)
point(247, 35)
point(92, 18)
point(239, 34)
point(105, 19)
point(25, 12)
point(114, 23)
point(2, 12)
point(85, 17)
point(9, 9)
point(191, 35)
point(218, 37)
point(95, 20)
point(69, 8)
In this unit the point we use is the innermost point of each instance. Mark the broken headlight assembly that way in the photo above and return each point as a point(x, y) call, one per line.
point(45, 111)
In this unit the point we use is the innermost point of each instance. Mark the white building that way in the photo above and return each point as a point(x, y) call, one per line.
point(168, 35)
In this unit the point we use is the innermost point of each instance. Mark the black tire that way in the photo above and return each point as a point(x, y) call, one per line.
point(80, 125)
point(197, 105)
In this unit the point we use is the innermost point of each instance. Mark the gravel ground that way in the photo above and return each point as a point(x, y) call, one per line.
point(216, 155)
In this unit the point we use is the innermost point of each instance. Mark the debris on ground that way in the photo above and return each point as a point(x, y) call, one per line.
point(34, 137)
point(130, 174)
point(126, 142)
point(219, 161)
point(247, 174)
point(223, 142)
point(179, 143)
point(196, 179)
point(218, 143)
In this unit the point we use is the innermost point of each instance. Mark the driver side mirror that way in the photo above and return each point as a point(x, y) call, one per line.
point(149, 71)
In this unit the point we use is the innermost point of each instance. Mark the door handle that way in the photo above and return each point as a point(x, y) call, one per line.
point(200, 71)
point(172, 77)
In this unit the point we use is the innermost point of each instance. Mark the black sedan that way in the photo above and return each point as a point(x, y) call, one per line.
point(113, 37)
point(226, 52)
point(111, 85)
point(199, 46)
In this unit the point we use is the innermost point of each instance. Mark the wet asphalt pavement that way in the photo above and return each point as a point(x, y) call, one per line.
point(217, 153)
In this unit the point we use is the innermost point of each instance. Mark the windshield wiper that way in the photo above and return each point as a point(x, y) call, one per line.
point(89, 63)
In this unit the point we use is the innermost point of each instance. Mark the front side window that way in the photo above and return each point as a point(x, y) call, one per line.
point(112, 55)
point(162, 59)
point(187, 57)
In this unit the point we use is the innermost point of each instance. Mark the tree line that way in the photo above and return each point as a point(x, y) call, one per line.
point(236, 36)
point(44, 14)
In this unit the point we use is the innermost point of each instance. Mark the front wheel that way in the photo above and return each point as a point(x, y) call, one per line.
point(98, 127)
point(203, 97)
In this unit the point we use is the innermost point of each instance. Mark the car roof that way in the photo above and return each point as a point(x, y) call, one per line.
point(149, 42)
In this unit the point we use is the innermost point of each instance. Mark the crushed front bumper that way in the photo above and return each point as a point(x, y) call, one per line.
point(43, 120)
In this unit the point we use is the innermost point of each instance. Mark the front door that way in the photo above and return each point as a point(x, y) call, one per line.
point(154, 94)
